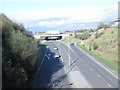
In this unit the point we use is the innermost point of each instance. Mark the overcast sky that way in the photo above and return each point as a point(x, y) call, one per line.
point(55, 14)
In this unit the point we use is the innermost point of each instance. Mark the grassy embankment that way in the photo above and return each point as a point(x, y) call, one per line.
point(114, 64)
point(69, 39)
point(104, 45)
point(20, 54)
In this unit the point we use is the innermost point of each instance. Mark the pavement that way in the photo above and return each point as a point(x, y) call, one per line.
point(96, 75)
point(50, 73)
point(74, 69)
point(75, 76)
point(78, 80)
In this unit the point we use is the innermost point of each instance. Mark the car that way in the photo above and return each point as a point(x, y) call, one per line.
point(72, 44)
point(71, 84)
point(57, 55)
point(55, 48)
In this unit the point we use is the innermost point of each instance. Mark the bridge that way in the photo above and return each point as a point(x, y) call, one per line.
point(60, 36)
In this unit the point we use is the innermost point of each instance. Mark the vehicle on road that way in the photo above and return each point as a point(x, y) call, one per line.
point(56, 48)
point(72, 44)
point(57, 55)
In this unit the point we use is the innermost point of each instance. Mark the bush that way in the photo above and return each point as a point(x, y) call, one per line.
point(84, 36)
point(95, 46)
point(102, 25)
point(19, 55)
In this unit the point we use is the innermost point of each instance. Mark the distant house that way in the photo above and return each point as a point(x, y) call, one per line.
point(32, 32)
point(52, 32)
point(93, 31)
point(116, 23)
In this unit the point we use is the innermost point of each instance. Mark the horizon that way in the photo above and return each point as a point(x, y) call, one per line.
point(60, 15)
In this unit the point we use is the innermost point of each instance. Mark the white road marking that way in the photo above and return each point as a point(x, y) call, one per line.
point(53, 85)
point(109, 85)
point(61, 57)
point(106, 82)
point(59, 50)
point(93, 59)
point(91, 69)
point(42, 61)
point(85, 64)
point(48, 56)
point(98, 75)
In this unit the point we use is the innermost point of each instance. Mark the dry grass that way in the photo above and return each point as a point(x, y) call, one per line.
point(69, 39)
point(107, 44)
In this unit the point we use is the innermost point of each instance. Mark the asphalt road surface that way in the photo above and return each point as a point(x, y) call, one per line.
point(54, 72)
point(95, 74)
point(51, 72)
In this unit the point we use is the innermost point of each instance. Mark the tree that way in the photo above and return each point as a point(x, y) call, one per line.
point(100, 25)
point(20, 55)
point(75, 34)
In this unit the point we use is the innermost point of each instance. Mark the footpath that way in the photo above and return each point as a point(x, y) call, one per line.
point(76, 78)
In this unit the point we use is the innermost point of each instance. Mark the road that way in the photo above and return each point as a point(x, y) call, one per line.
point(51, 73)
point(96, 75)
point(55, 72)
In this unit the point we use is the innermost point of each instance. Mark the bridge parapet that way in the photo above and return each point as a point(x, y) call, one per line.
point(38, 36)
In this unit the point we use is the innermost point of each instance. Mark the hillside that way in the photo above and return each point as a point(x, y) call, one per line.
point(104, 43)
point(20, 54)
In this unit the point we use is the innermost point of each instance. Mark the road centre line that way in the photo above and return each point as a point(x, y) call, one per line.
point(98, 75)
point(41, 62)
point(93, 59)
point(91, 69)
point(106, 82)
point(64, 66)
point(109, 85)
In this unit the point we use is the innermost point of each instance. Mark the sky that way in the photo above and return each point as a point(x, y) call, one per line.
point(43, 15)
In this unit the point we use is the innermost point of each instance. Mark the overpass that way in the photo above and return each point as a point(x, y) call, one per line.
point(39, 36)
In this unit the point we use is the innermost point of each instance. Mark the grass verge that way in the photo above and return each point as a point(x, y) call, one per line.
point(113, 64)
point(43, 44)
point(68, 40)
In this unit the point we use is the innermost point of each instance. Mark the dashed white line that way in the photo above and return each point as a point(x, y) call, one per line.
point(109, 85)
point(91, 69)
point(85, 64)
point(93, 59)
point(98, 75)
point(42, 61)
point(106, 82)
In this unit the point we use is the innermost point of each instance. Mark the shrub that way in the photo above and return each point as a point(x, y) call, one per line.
point(95, 46)
point(84, 36)
point(19, 55)
point(102, 25)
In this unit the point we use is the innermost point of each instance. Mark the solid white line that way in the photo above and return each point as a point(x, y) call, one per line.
point(98, 75)
point(106, 82)
point(91, 69)
point(109, 85)
point(42, 62)
point(93, 59)
point(61, 57)
point(65, 68)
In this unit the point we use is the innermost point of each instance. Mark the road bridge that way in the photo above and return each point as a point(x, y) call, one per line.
point(61, 36)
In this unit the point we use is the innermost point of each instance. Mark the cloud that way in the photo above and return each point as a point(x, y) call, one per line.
point(66, 18)
point(51, 23)
point(72, 14)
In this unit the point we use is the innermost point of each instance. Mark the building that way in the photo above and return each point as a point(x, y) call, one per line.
point(52, 32)
point(32, 32)
point(116, 23)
